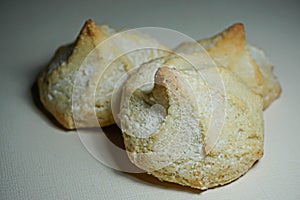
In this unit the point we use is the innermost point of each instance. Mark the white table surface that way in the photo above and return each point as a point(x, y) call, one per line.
point(38, 160)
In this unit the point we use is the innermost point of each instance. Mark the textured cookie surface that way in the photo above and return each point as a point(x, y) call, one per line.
point(182, 126)
point(77, 84)
point(230, 49)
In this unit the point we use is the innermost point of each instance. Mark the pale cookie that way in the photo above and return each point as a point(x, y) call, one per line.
point(96, 78)
point(170, 132)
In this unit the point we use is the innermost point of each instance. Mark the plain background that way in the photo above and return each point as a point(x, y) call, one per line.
point(38, 160)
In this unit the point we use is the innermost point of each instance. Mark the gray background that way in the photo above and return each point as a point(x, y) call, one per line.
point(40, 161)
